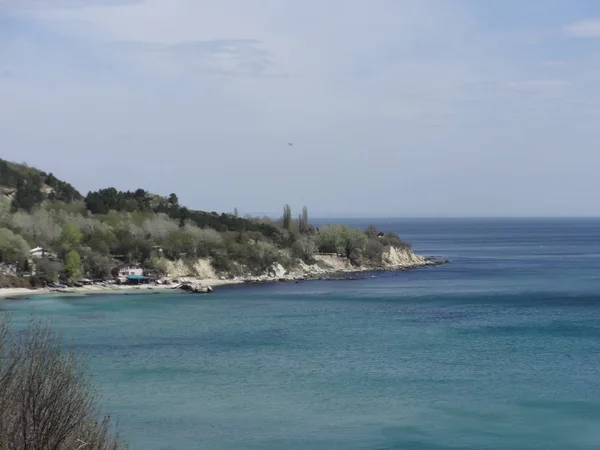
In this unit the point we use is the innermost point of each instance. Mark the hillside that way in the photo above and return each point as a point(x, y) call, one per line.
point(27, 187)
point(50, 232)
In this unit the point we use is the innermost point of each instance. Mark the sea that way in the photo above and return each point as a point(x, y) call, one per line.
point(499, 349)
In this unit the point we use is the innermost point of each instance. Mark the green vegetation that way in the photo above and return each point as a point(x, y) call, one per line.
point(13, 248)
point(31, 186)
point(47, 400)
point(92, 236)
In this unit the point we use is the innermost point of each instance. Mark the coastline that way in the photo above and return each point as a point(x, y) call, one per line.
point(302, 274)
point(21, 293)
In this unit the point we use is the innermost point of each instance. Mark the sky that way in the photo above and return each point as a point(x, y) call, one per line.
point(353, 108)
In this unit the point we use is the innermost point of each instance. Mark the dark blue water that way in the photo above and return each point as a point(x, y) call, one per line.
point(498, 350)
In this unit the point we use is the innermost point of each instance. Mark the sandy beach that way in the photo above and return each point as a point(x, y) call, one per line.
point(99, 289)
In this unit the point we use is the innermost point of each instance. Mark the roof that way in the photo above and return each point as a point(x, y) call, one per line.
point(135, 277)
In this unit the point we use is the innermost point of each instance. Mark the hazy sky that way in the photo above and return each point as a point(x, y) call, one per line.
point(393, 107)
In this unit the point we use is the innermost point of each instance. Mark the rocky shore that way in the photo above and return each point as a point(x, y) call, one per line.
point(325, 267)
point(279, 274)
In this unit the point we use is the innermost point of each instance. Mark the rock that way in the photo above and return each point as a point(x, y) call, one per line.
point(195, 288)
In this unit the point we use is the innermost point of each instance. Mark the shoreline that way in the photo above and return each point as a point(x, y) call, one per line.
point(346, 274)
point(23, 293)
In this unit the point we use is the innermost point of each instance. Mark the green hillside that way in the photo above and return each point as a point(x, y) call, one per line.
point(92, 236)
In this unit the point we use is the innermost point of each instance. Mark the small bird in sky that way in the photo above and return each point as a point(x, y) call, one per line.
point(290, 144)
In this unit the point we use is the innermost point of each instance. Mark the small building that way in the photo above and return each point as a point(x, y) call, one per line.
point(40, 252)
point(137, 279)
point(125, 271)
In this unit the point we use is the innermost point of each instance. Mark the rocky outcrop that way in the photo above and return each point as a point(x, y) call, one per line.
point(324, 267)
point(194, 288)
point(338, 267)
point(393, 257)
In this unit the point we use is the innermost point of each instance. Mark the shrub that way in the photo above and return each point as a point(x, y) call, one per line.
point(374, 250)
point(46, 397)
point(304, 248)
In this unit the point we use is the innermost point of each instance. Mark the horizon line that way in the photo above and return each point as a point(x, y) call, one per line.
point(391, 217)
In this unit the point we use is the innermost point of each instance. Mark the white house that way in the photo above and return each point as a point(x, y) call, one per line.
point(125, 271)
point(40, 252)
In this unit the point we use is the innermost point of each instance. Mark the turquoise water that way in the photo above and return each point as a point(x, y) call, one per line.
point(498, 350)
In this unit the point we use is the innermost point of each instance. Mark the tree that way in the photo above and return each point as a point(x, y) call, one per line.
point(372, 231)
point(38, 226)
point(156, 265)
point(29, 193)
point(13, 248)
point(47, 271)
point(47, 400)
point(330, 239)
point(304, 219)
point(4, 211)
point(173, 200)
point(287, 218)
point(341, 239)
point(71, 236)
point(304, 248)
point(97, 266)
point(72, 265)
point(374, 250)
point(355, 242)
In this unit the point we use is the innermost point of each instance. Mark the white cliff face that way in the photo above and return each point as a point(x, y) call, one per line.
point(333, 263)
point(277, 271)
point(395, 257)
point(392, 258)
point(201, 268)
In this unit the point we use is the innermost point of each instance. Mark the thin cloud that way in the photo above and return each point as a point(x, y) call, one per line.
point(589, 28)
point(227, 57)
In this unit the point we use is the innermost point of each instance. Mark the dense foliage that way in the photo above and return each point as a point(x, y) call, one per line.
point(105, 200)
point(33, 186)
point(92, 236)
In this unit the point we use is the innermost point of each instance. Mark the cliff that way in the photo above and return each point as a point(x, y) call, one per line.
point(324, 266)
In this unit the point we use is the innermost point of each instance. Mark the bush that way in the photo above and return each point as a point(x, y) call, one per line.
point(97, 266)
point(374, 250)
point(304, 248)
point(10, 281)
point(47, 271)
point(13, 248)
point(46, 397)
point(343, 240)
point(155, 265)
point(394, 240)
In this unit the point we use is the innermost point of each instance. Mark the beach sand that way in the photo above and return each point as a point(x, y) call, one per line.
point(113, 289)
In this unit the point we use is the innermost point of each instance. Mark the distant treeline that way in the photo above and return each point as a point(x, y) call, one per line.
point(105, 200)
